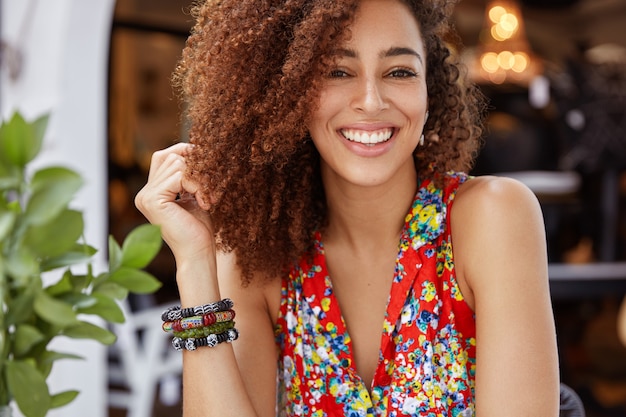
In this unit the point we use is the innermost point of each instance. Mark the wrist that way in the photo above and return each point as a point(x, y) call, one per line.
point(197, 282)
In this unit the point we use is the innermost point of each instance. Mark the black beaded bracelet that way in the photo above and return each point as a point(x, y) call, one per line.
point(177, 313)
point(209, 341)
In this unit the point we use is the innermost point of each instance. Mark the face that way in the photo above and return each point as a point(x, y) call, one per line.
point(373, 103)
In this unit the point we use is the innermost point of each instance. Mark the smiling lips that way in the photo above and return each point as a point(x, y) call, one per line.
point(368, 138)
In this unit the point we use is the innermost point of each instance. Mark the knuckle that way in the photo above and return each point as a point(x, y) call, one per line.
point(139, 200)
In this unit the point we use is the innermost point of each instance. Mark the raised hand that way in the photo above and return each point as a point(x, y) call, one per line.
point(171, 200)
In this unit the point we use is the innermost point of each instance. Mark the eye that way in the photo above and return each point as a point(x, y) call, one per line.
point(402, 73)
point(337, 73)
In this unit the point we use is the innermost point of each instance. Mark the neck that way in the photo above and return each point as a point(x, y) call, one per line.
point(361, 216)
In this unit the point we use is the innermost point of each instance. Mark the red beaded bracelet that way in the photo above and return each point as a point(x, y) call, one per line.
point(198, 321)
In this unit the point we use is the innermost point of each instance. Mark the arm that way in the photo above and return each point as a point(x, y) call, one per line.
point(212, 382)
point(500, 253)
point(237, 379)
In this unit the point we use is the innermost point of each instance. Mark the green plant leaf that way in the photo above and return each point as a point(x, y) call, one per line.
point(141, 246)
point(51, 356)
point(54, 238)
point(53, 310)
point(26, 336)
point(20, 308)
point(14, 206)
point(48, 329)
point(101, 279)
point(135, 280)
point(115, 254)
point(20, 141)
point(7, 220)
point(62, 286)
point(53, 188)
point(5, 395)
point(63, 398)
point(39, 130)
point(84, 330)
point(9, 176)
point(112, 289)
point(3, 274)
point(46, 359)
point(28, 387)
point(22, 265)
point(8, 180)
point(105, 307)
point(76, 256)
point(79, 300)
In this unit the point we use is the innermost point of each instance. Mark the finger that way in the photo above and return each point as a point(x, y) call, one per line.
point(192, 188)
point(164, 183)
point(161, 156)
point(174, 185)
point(168, 176)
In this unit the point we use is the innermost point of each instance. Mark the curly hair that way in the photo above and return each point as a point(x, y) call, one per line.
point(251, 74)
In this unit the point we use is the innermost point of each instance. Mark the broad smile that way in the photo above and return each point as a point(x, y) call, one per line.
point(369, 138)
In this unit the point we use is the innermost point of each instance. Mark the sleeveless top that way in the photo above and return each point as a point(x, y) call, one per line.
point(427, 356)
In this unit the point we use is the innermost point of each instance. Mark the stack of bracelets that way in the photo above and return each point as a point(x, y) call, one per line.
point(205, 325)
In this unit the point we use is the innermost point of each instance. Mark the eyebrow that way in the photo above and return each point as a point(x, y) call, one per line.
point(391, 52)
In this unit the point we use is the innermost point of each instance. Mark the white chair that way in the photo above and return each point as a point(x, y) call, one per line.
point(142, 360)
point(570, 403)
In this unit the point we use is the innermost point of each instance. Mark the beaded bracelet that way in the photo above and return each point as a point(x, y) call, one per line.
point(205, 331)
point(198, 321)
point(177, 313)
point(209, 341)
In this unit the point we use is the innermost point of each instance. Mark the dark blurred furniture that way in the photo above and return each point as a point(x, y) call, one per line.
point(571, 404)
point(593, 280)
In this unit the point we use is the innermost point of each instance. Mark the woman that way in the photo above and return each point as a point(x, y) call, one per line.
point(323, 135)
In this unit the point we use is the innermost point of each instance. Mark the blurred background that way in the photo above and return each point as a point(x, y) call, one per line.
point(555, 75)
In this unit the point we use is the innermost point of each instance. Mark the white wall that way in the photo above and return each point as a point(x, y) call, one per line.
point(64, 44)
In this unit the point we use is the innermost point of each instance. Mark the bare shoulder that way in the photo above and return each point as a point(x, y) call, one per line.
point(494, 204)
point(500, 260)
point(496, 223)
point(492, 194)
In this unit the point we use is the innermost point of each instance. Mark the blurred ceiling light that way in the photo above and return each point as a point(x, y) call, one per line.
point(606, 53)
point(504, 54)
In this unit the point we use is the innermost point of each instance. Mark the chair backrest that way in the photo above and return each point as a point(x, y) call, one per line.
point(571, 404)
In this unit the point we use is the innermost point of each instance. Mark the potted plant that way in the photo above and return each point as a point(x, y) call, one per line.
point(41, 234)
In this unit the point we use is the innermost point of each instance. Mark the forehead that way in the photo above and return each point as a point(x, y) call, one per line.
point(384, 22)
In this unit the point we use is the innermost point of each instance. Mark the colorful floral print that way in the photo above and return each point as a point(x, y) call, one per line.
point(427, 358)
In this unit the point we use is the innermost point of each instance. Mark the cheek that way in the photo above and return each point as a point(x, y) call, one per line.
point(414, 107)
point(314, 126)
point(331, 100)
point(318, 136)
point(321, 118)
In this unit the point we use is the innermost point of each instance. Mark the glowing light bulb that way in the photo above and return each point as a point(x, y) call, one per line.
point(497, 77)
point(520, 62)
point(504, 52)
point(506, 60)
point(499, 33)
point(496, 12)
point(489, 62)
point(509, 22)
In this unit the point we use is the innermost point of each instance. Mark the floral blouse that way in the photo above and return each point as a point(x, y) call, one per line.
point(427, 356)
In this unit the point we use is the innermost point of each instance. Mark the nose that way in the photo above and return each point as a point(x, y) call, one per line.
point(370, 97)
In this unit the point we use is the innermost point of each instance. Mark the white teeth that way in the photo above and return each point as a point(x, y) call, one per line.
point(367, 138)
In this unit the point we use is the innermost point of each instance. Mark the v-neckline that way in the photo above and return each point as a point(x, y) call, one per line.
point(418, 230)
point(334, 301)
point(403, 279)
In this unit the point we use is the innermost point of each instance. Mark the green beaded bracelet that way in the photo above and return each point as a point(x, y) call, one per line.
point(198, 332)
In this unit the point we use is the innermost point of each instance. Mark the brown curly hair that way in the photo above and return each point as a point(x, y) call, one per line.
point(251, 74)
